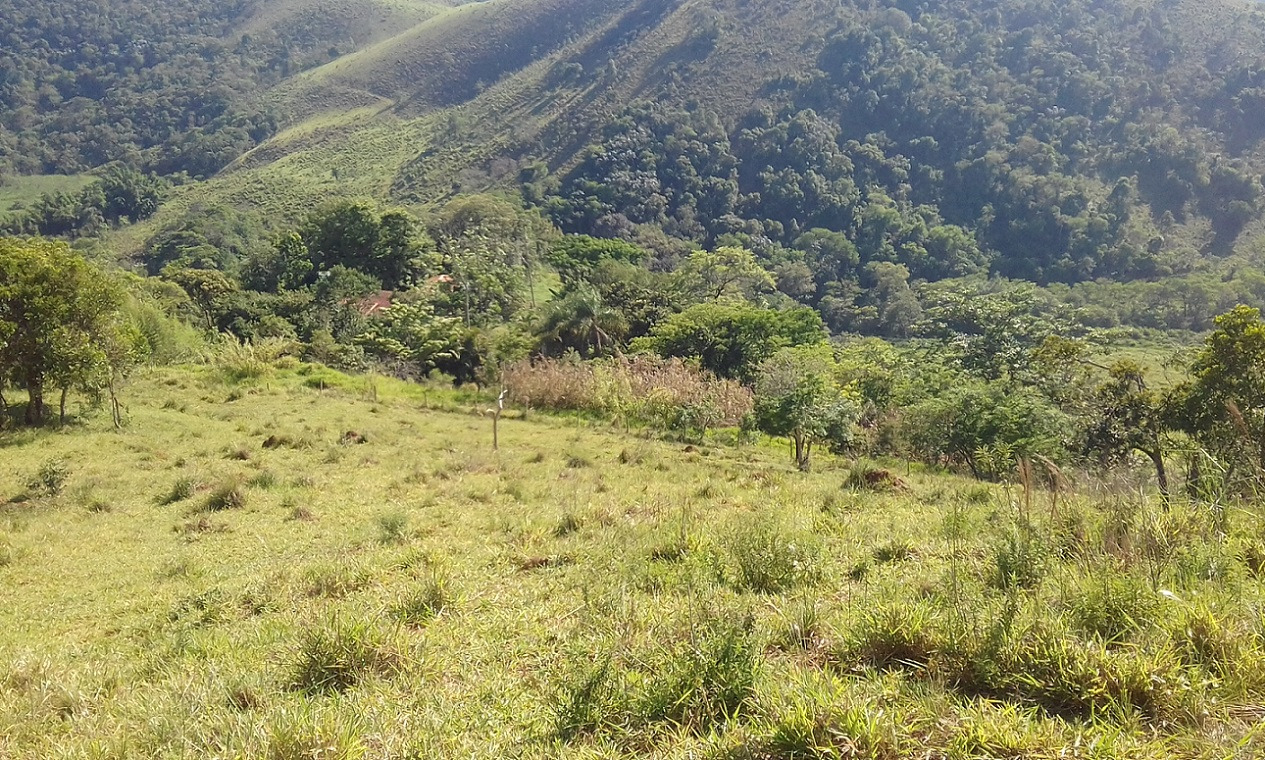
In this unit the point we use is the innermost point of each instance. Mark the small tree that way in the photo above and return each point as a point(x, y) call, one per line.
point(411, 333)
point(798, 397)
point(1129, 416)
point(57, 316)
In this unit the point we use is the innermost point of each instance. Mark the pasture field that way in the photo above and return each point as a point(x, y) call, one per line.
point(291, 563)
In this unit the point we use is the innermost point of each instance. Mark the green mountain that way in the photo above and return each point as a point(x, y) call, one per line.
point(1052, 141)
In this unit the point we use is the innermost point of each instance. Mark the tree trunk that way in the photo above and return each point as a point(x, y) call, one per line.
point(35, 405)
point(1161, 472)
point(61, 406)
point(116, 410)
point(802, 453)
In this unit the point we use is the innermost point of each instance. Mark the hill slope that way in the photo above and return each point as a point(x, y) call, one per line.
point(942, 114)
point(237, 575)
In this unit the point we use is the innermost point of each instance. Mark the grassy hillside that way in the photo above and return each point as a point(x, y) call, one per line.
point(21, 191)
point(309, 565)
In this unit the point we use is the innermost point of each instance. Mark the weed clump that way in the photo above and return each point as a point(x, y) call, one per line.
point(569, 523)
point(392, 526)
point(336, 654)
point(703, 677)
point(865, 477)
point(1111, 606)
point(896, 636)
point(264, 480)
point(334, 581)
point(769, 558)
point(305, 735)
point(1019, 560)
point(709, 679)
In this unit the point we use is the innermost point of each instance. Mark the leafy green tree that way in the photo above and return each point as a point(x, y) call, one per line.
point(412, 334)
point(580, 321)
point(1128, 416)
point(728, 270)
point(975, 421)
point(128, 193)
point(56, 318)
point(489, 283)
point(1224, 405)
point(294, 262)
point(210, 290)
point(992, 335)
point(576, 257)
point(732, 339)
point(798, 396)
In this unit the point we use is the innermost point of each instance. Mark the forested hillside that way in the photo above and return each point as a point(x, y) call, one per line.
point(1058, 142)
point(164, 85)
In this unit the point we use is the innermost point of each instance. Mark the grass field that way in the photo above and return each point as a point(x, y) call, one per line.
point(18, 191)
point(307, 565)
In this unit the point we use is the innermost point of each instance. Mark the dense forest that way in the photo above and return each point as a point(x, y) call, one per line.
point(1053, 142)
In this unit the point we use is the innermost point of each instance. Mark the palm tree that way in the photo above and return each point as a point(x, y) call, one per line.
point(583, 322)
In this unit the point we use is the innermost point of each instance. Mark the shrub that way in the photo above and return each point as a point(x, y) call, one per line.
point(335, 655)
point(51, 478)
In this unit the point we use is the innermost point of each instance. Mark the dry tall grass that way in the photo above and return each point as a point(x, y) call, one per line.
point(638, 390)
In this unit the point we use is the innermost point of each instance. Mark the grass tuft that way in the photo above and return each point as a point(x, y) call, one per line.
point(230, 494)
point(423, 603)
point(392, 526)
point(182, 490)
point(335, 655)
